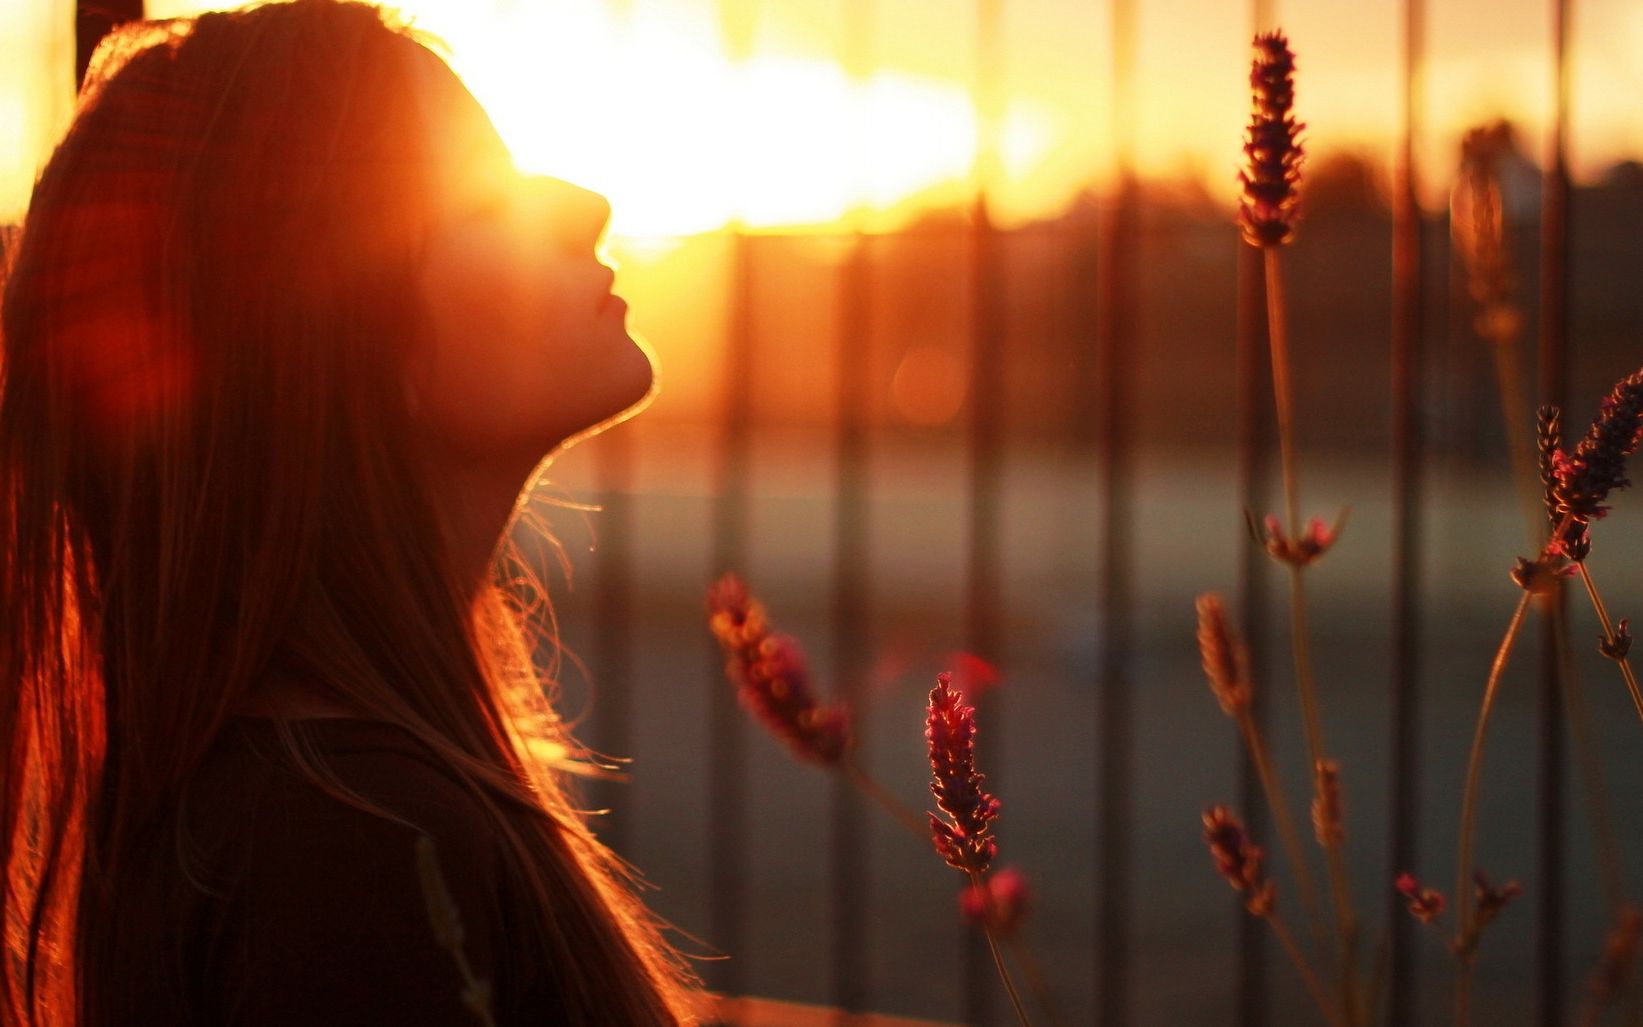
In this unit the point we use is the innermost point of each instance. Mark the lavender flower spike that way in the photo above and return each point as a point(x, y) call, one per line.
point(1238, 859)
point(1549, 446)
point(771, 677)
point(1226, 662)
point(1272, 146)
point(966, 843)
point(1585, 477)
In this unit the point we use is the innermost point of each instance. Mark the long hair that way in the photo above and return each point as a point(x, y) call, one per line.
point(205, 477)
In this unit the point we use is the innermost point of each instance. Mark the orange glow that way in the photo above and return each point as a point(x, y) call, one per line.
point(683, 139)
point(38, 41)
point(641, 99)
point(928, 386)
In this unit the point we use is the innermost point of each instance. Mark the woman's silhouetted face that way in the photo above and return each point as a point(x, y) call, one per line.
point(528, 346)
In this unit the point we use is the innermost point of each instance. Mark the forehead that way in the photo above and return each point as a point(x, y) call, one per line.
point(459, 131)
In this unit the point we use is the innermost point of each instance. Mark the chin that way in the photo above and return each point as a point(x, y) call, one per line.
point(641, 383)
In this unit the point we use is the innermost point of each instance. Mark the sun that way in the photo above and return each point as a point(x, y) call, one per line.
point(683, 139)
point(642, 103)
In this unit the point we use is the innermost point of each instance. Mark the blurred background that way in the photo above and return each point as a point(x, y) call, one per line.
point(963, 368)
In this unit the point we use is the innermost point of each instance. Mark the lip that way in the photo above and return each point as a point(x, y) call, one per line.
point(613, 302)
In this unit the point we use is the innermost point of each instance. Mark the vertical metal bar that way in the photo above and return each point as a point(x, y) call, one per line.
point(1408, 347)
point(1254, 431)
point(92, 21)
point(727, 770)
point(982, 616)
point(1554, 387)
point(850, 855)
point(727, 774)
point(612, 642)
point(1116, 343)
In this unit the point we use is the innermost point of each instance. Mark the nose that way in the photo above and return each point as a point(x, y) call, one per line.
point(576, 217)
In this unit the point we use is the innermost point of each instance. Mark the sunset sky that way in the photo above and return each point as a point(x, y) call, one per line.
point(640, 99)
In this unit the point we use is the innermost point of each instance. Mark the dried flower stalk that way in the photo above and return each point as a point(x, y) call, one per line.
point(1267, 216)
point(1584, 478)
point(1478, 229)
point(1226, 666)
point(1238, 860)
point(1226, 662)
point(773, 684)
point(1576, 486)
point(1272, 172)
point(1480, 237)
point(771, 677)
point(1328, 811)
point(966, 843)
point(1549, 450)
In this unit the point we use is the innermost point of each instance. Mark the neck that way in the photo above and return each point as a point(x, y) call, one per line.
point(475, 504)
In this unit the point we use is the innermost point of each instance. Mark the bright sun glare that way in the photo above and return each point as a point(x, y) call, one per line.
point(641, 100)
point(683, 139)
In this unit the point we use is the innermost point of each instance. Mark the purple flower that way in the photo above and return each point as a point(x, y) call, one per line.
point(1238, 859)
point(1272, 146)
point(1582, 480)
point(950, 727)
point(1302, 550)
point(1425, 904)
point(771, 678)
point(1226, 663)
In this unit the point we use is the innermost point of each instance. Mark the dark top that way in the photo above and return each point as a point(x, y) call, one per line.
point(321, 916)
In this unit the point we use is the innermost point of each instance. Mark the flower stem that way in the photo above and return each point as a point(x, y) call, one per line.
point(1468, 817)
point(1286, 825)
point(1609, 636)
point(1277, 339)
point(889, 803)
point(1314, 987)
point(1283, 399)
point(992, 945)
point(1035, 977)
point(1340, 892)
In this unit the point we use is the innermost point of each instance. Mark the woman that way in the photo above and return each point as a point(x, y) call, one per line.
point(284, 335)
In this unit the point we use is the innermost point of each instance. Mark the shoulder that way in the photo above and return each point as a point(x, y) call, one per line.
point(333, 913)
point(394, 790)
